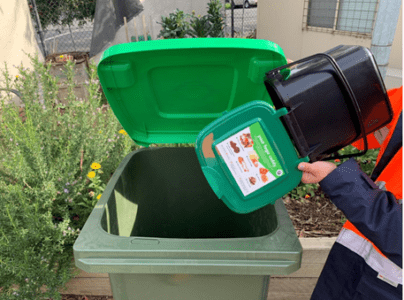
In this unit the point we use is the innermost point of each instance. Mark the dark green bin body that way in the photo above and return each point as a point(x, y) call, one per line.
point(160, 232)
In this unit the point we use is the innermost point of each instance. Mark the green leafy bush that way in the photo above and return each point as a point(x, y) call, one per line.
point(367, 162)
point(174, 26)
point(177, 25)
point(200, 26)
point(47, 152)
point(216, 18)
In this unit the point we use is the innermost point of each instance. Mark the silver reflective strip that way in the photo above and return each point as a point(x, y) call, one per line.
point(381, 185)
point(381, 134)
point(374, 259)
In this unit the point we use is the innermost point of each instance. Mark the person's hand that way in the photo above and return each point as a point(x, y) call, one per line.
point(315, 172)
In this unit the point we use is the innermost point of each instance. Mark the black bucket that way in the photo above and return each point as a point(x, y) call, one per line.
point(333, 98)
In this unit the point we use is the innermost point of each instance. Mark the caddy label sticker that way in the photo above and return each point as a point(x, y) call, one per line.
point(250, 159)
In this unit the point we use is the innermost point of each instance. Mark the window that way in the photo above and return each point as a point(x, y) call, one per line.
point(349, 17)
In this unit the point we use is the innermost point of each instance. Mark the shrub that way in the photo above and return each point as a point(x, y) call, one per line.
point(216, 18)
point(176, 24)
point(200, 26)
point(47, 150)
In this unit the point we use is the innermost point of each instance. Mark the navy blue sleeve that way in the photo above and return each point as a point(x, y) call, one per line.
point(374, 212)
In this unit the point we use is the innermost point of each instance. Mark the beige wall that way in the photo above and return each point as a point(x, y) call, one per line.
point(281, 21)
point(17, 34)
point(396, 55)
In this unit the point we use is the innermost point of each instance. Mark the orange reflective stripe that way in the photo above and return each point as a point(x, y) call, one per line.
point(350, 226)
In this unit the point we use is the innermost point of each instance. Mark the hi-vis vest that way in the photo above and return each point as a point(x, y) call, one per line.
point(388, 175)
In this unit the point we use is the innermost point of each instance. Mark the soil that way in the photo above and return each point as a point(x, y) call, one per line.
point(314, 217)
point(76, 297)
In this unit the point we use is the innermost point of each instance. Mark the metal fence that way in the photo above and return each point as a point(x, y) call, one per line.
point(55, 34)
point(346, 17)
point(240, 20)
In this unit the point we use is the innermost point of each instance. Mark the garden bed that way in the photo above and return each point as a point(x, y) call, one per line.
point(72, 186)
point(314, 216)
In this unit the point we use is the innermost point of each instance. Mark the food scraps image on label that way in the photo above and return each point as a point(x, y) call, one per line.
point(250, 159)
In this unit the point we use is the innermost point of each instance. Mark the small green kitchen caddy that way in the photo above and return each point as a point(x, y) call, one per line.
point(160, 230)
point(248, 158)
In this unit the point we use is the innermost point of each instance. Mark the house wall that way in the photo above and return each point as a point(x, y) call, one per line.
point(17, 36)
point(281, 21)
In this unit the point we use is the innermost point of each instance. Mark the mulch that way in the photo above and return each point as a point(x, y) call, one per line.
point(314, 217)
point(76, 297)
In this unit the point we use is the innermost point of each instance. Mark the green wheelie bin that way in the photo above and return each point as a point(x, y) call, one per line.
point(159, 230)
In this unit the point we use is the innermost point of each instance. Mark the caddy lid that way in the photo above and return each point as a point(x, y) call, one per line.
point(167, 91)
point(248, 158)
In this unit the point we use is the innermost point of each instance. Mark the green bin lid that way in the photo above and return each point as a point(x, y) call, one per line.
point(248, 157)
point(167, 91)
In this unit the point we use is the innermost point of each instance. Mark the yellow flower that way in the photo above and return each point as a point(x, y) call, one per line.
point(100, 131)
point(16, 76)
point(95, 166)
point(98, 197)
point(123, 132)
point(91, 174)
point(61, 56)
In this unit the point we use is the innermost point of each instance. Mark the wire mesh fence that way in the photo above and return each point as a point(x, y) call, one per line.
point(241, 18)
point(62, 27)
point(346, 17)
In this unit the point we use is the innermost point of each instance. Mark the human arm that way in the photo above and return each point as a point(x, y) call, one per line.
point(372, 211)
